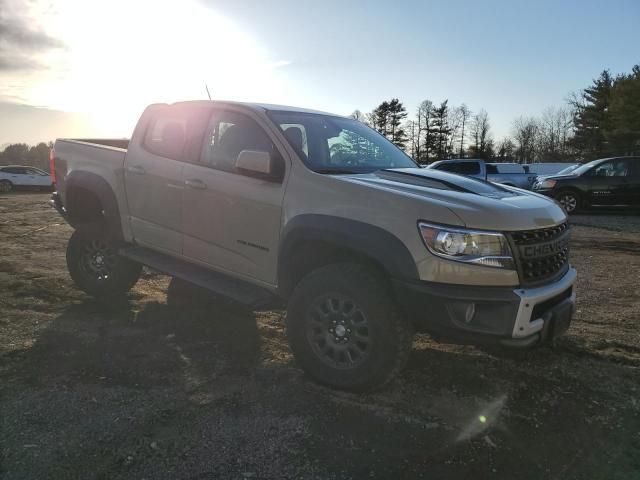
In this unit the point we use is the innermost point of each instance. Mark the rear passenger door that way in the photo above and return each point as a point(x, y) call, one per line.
point(38, 178)
point(232, 219)
point(153, 173)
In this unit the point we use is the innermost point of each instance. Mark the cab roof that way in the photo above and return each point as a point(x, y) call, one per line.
point(257, 106)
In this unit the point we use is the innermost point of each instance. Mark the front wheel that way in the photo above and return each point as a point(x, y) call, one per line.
point(95, 266)
point(569, 200)
point(345, 330)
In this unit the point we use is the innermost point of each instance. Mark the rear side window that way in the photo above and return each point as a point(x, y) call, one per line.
point(463, 168)
point(174, 130)
point(14, 170)
point(509, 168)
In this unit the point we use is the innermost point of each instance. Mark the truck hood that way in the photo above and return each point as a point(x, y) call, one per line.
point(568, 176)
point(477, 203)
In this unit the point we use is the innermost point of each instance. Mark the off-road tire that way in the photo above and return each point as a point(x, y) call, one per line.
point(5, 186)
point(119, 275)
point(390, 334)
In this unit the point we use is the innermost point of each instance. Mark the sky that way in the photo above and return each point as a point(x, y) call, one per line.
point(72, 68)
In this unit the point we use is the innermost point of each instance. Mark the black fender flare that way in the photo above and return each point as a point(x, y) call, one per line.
point(97, 185)
point(369, 240)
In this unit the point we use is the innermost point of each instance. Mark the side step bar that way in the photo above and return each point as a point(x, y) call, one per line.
point(219, 283)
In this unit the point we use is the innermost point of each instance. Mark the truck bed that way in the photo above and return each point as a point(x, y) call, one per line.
point(122, 143)
point(103, 158)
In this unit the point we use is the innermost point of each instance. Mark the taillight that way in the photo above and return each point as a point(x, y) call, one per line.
point(52, 165)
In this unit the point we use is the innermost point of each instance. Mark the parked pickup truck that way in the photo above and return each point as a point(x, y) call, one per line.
point(607, 182)
point(512, 174)
point(272, 205)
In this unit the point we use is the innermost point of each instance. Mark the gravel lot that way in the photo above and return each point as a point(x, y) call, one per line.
point(152, 389)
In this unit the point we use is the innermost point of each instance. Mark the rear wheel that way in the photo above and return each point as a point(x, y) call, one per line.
point(345, 330)
point(569, 200)
point(96, 267)
point(5, 186)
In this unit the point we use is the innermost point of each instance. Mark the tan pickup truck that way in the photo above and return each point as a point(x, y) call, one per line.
point(276, 205)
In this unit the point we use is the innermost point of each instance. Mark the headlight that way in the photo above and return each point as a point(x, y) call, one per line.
point(483, 248)
point(545, 184)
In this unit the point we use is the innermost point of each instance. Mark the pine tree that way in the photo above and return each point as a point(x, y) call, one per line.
point(441, 129)
point(387, 119)
point(591, 117)
point(380, 118)
point(622, 131)
point(397, 114)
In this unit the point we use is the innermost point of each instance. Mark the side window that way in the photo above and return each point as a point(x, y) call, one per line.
point(612, 168)
point(634, 168)
point(228, 134)
point(446, 167)
point(622, 168)
point(175, 131)
point(463, 168)
point(470, 168)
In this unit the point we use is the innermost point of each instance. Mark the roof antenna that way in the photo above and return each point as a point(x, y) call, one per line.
point(207, 88)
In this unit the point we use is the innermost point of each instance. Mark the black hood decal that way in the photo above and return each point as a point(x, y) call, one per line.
point(445, 181)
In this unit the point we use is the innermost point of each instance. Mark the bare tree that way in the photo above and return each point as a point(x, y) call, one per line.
point(506, 149)
point(413, 139)
point(464, 114)
point(525, 134)
point(554, 131)
point(481, 135)
point(358, 115)
point(455, 122)
point(425, 137)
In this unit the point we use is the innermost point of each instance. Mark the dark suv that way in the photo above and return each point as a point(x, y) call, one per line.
point(608, 182)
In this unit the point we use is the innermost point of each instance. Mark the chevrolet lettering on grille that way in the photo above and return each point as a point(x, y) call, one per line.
point(544, 249)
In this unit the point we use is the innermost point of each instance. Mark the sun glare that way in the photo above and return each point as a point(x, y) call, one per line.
point(122, 55)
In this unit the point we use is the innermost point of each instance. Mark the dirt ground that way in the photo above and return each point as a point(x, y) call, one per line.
point(144, 389)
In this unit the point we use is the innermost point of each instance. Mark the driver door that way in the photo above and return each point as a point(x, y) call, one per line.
point(608, 183)
point(231, 219)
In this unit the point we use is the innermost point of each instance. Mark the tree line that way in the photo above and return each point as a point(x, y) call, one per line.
point(601, 120)
point(598, 121)
point(22, 154)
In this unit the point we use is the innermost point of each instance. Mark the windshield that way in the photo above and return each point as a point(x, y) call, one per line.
point(567, 170)
point(329, 144)
point(586, 167)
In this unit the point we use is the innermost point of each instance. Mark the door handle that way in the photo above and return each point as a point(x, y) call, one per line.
point(195, 184)
point(137, 169)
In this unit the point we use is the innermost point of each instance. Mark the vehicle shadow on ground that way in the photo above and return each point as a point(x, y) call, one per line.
point(203, 374)
point(133, 345)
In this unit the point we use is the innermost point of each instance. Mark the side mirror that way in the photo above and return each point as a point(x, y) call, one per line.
point(254, 161)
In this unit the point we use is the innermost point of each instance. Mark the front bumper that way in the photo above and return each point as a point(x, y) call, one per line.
point(549, 192)
point(495, 315)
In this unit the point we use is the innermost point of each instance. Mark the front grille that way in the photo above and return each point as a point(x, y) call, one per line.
point(526, 237)
point(541, 255)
